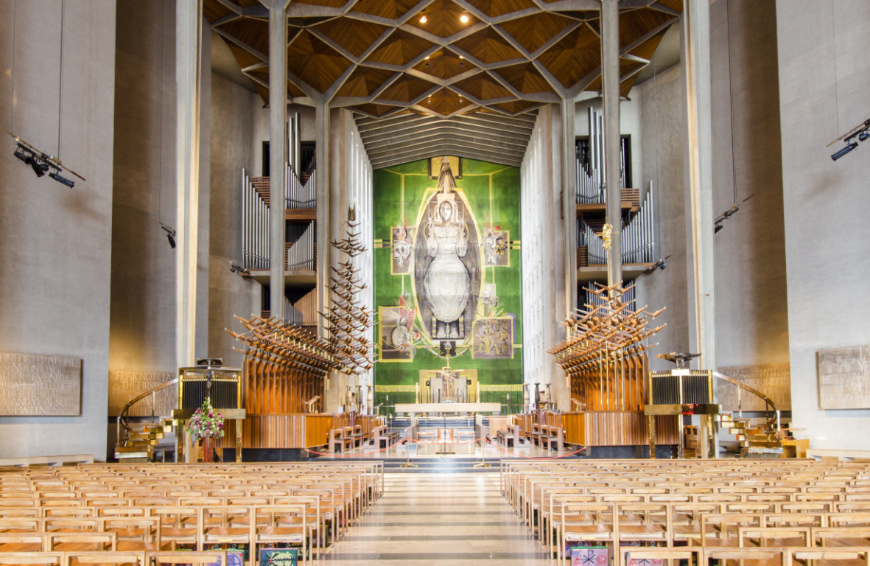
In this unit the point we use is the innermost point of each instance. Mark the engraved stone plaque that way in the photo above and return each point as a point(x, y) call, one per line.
point(844, 378)
point(40, 385)
point(124, 385)
point(774, 380)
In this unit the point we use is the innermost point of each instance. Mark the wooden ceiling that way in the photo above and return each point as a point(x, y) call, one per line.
point(440, 58)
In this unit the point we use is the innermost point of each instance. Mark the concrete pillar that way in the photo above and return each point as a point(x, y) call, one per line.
point(322, 154)
point(569, 208)
point(277, 151)
point(610, 87)
point(188, 40)
point(696, 58)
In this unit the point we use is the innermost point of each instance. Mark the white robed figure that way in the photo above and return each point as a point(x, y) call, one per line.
point(447, 280)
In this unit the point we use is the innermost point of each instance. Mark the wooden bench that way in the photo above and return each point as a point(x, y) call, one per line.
point(47, 460)
point(338, 441)
point(383, 438)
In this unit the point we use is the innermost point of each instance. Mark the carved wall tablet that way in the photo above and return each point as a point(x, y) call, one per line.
point(774, 380)
point(40, 385)
point(844, 378)
point(124, 385)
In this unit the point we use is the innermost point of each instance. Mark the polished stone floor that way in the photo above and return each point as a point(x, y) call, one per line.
point(427, 519)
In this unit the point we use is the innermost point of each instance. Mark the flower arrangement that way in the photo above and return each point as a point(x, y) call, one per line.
point(206, 422)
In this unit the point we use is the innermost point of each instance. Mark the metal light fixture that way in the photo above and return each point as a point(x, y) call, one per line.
point(234, 267)
point(42, 163)
point(860, 132)
point(844, 151)
point(170, 234)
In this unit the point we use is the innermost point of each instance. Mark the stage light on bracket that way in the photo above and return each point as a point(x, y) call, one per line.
point(62, 180)
point(860, 132)
point(42, 163)
point(234, 267)
point(844, 151)
point(170, 234)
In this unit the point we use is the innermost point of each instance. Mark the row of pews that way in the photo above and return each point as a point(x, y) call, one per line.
point(105, 514)
point(342, 439)
point(773, 511)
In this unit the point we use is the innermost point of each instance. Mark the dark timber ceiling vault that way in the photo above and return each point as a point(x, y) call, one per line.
point(441, 76)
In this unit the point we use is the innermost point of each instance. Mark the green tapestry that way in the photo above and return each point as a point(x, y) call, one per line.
point(447, 276)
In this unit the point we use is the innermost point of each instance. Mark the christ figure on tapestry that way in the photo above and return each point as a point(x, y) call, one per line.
point(447, 281)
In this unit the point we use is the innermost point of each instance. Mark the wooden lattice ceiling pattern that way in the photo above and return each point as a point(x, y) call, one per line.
point(429, 77)
point(426, 55)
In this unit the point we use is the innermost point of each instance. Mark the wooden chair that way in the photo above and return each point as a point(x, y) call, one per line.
point(114, 558)
point(774, 536)
point(280, 527)
point(651, 553)
point(31, 558)
point(645, 522)
point(134, 534)
point(23, 542)
point(205, 558)
point(70, 525)
point(844, 556)
point(841, 536)
point(21, 525)
point(591, 525)
point(173, 528)
point(720, 529)
point(755, 556)
point(82, 541)
point(227, 525)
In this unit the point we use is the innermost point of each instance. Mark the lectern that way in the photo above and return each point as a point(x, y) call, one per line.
point(682, 391)
point(208, 378)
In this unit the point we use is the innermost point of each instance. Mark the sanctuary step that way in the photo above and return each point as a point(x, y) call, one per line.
point(433, 465)
point(146, 441)
point(753, 437)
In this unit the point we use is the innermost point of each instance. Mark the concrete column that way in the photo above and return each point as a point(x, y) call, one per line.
point(569, 208)
point(610, 87)
point(188, 30)
point(277, 151)
point(696, 58)
point(322, 154)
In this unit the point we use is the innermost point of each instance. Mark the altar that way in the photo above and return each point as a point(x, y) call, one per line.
point(413, 409)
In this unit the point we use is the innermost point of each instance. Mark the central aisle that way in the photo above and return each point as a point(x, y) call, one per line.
point(426, 519)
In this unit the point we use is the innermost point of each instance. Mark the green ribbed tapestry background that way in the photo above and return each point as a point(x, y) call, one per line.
point(490, 202)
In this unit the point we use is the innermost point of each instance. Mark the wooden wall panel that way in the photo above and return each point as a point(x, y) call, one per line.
point(617, 428)
point(317, 429)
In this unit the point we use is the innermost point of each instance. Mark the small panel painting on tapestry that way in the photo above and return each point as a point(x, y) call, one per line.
point(496, 245)
point(397, 334)
point(493, 338)
point(402, 246)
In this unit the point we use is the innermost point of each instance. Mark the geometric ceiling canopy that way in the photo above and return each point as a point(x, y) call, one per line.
point(440, 58)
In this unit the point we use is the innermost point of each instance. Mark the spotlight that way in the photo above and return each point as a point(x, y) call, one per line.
point(64, 181)
point(423, 19)
point(861, 131)
point(20, 154)
point(844, 151)
point(170, 234)
point(235, 267)
point(716, 227)
point(41, 162)
point(38, 165)
point(660, 264)
point(463, 18)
